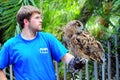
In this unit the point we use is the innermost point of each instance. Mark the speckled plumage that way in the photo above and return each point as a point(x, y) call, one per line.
point(81, 43)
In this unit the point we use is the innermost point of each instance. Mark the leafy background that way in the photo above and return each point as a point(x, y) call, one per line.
point(100, 17)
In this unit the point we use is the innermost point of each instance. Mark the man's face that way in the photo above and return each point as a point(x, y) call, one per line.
point(35, 22)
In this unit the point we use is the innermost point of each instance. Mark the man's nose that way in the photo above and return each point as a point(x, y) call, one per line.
point(40, 20)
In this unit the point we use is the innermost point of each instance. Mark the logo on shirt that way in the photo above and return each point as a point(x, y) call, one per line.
point(43, 50)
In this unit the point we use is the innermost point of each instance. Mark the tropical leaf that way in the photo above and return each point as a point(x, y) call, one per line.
point(8, 11)
point(57, 13)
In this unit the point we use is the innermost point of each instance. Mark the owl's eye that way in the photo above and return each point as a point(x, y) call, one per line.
point(78, 23)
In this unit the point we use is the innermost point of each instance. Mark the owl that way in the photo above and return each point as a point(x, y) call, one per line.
point(81, 43)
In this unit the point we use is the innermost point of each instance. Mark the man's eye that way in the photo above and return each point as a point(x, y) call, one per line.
point(38, 17)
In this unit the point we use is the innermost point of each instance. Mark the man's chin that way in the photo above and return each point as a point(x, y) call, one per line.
point(39, 30)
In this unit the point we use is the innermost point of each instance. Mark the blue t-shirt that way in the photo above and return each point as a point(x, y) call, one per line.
point(32, 59)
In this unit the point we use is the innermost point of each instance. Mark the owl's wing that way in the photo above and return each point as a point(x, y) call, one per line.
point(84, 45)
point(77, 46)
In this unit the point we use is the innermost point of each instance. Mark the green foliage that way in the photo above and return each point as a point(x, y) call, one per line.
point(57, 13)
point(104, 21)
point(8, 11)
point(7, 20)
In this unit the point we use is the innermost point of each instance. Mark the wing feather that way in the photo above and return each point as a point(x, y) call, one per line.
point(81, 43)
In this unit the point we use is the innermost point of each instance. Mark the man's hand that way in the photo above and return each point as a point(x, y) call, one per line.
point(76, 64)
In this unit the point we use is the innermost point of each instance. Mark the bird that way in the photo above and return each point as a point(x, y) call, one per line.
point(81, 43)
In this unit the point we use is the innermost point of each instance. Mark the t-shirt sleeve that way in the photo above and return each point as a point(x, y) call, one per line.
point(58, 50)
point(4, 60)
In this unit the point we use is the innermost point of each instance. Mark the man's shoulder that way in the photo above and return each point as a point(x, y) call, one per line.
point(48, 37)
point(46, 34)
point(12, 40)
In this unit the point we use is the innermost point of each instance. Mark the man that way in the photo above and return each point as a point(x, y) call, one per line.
point(31, 52)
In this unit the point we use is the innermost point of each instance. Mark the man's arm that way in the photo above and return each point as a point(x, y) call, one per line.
point(67, 58)
point(2, 75)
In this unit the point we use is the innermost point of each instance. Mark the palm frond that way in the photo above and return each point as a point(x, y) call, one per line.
point(8, 11)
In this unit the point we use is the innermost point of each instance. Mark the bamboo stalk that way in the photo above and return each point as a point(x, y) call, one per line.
point(65, 72)
point(56, 67)
point(109, 61)
point(103, 67)
point(116, 57)
point(11, 73)
point(95, 71)
point(80, 75)
point(87, 73)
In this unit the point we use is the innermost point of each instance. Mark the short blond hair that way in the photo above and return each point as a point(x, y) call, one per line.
point(25, 12)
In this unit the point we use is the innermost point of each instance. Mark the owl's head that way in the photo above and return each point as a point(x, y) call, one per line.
point(73, 27)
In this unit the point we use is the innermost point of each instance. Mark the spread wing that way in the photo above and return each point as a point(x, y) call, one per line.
point(82, 43)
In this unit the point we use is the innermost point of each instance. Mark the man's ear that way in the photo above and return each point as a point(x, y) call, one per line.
point(25, 21)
